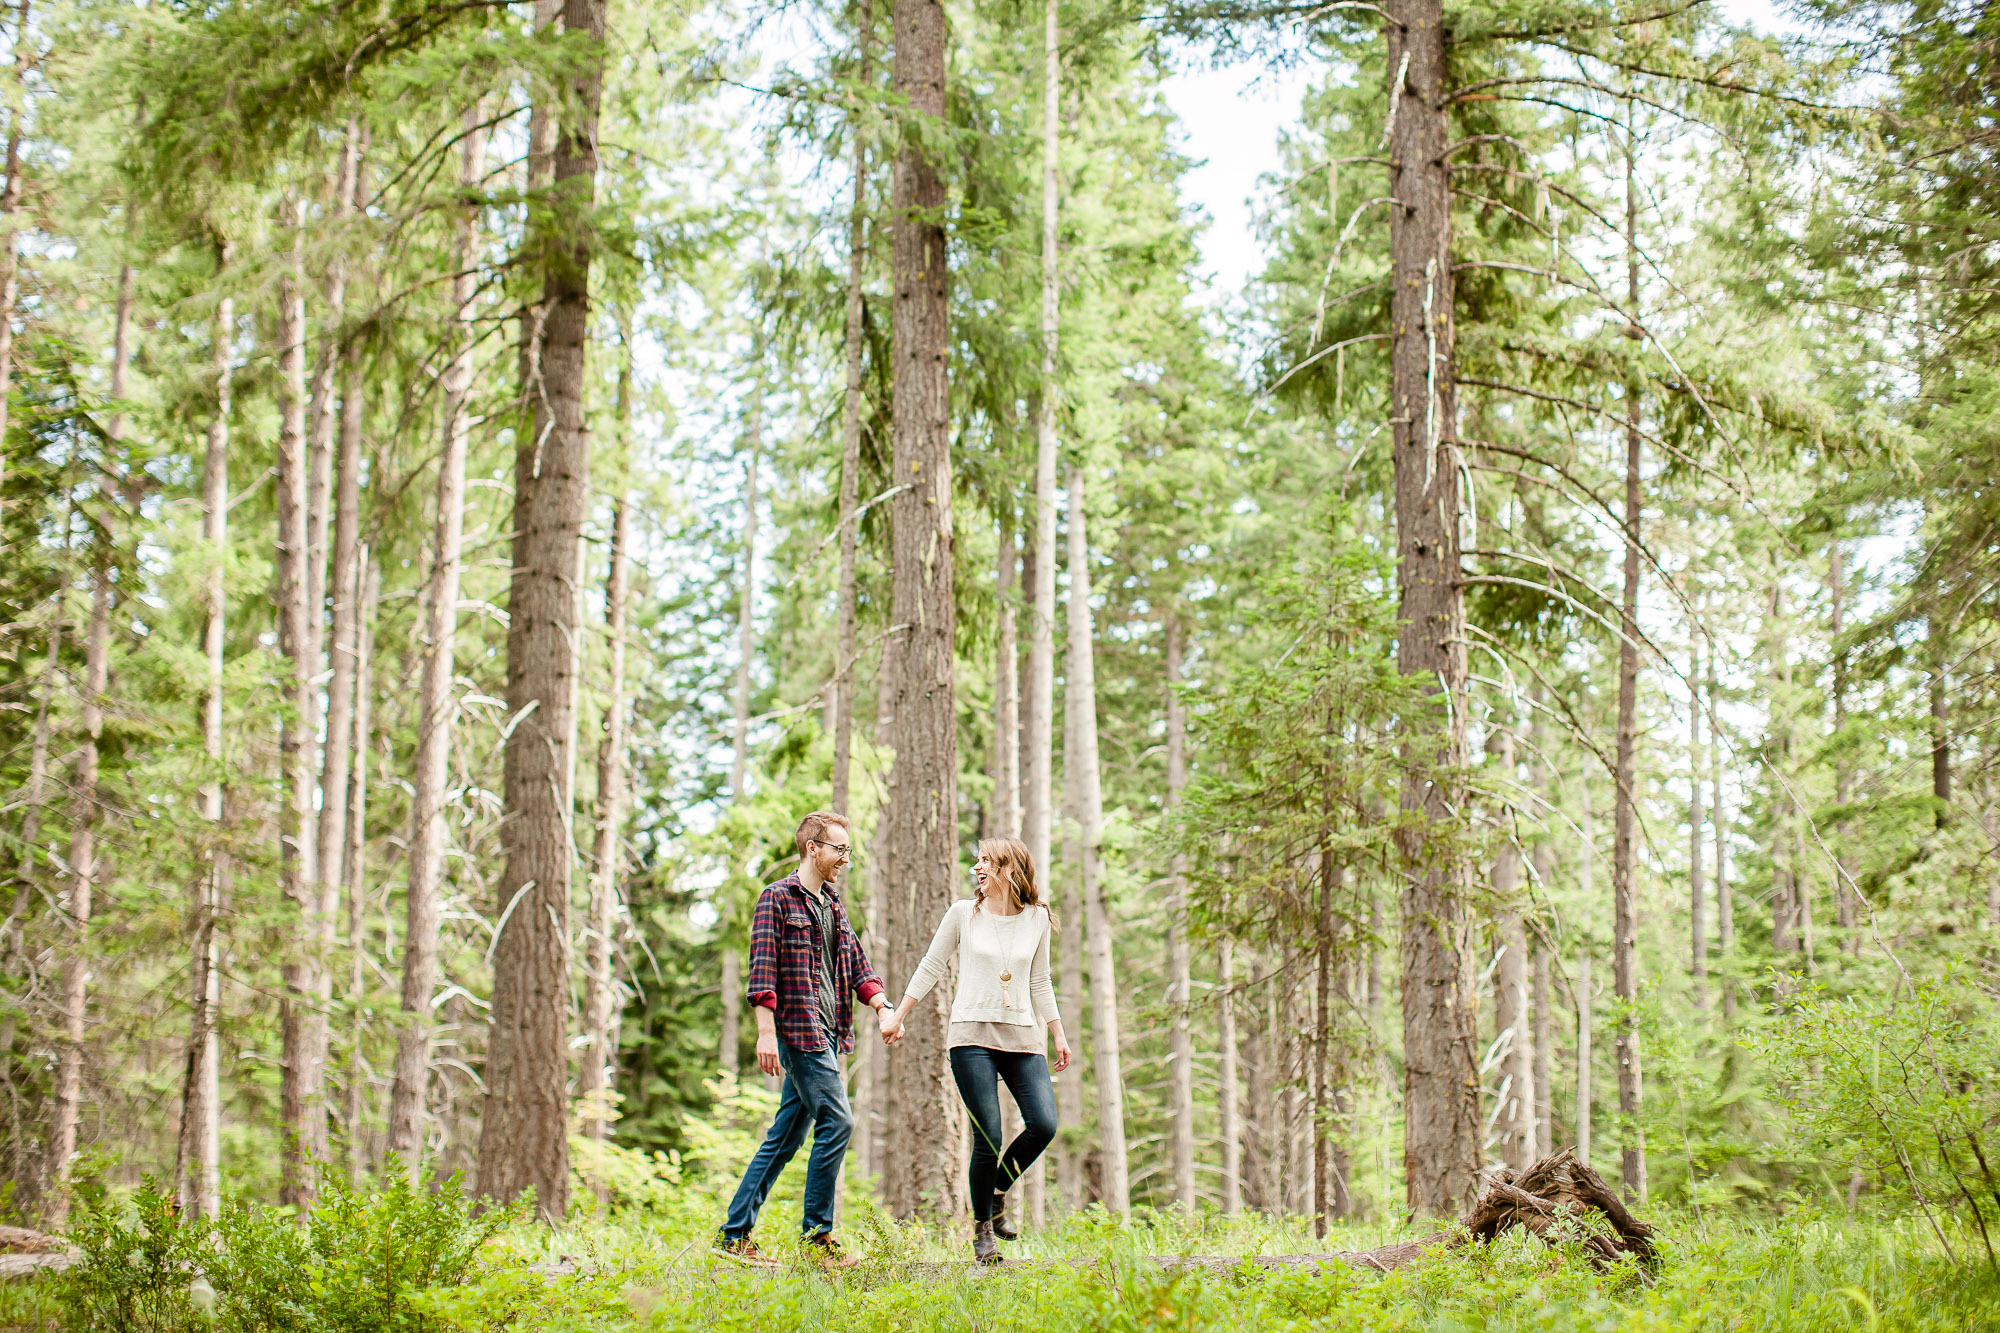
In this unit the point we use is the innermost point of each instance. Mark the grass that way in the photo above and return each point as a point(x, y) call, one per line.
point(649, 1270)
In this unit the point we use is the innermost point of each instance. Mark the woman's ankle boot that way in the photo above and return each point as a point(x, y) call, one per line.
point(1001, 1227)
point(984, 1248)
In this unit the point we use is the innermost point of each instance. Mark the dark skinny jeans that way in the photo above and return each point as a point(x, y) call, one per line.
point(978, 1071)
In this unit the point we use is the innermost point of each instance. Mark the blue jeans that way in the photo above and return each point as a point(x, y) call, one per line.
point(815, 1097)
point(978, 1071)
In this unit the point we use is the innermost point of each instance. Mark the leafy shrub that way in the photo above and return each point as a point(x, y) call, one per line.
point(1907, 1086)
point(134, 1272)
point(356, 1263)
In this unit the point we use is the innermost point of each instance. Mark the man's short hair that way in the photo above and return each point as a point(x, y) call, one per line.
point(813, 827)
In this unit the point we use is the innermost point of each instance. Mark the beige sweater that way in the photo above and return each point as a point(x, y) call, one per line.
point(987, 945)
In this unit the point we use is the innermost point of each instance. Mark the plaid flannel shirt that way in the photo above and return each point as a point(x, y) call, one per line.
point(782, 945)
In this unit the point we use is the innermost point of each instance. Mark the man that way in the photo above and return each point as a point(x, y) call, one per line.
point(805, 960)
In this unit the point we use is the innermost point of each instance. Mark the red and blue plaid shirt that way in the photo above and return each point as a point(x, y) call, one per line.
point(783, 963)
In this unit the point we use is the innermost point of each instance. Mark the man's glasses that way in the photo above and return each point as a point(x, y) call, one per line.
point(839, 849)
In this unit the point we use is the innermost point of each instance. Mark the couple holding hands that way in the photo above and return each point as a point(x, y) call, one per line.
point(807, 967)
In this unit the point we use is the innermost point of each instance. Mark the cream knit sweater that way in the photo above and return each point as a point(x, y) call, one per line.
point(986, 946)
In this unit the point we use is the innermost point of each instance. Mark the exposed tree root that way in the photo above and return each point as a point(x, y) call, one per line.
point(1552, 1199)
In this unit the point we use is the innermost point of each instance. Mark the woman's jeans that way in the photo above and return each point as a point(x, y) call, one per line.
point(978, 1071)
point(815, 1096)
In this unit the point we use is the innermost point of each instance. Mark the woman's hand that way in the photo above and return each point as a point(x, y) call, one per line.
point(1062, 1047)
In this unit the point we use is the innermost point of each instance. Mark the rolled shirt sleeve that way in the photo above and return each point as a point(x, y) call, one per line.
point(763, 980)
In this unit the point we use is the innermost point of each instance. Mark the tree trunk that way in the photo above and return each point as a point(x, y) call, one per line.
point(600, 989)
point(1625, 857)
point(1542, 857)
point(1225, 1036)
point(10, 215)
point(1510, 983)
point(850, 433)
point(1325, 1205)
point(1441, 1135)
point(1844, 903)
point(1006, 697)
point(1080, 697)
point(1584, 1055)
point(1941, 733)
point(739, 764)
point(1180, 988)
point(423, 905)
point(1725, 900)
point(346, 541)
point(201, 1116)
point(1038, 814)
point(369, 577)
point(522, 1142)
point(1544, 1029)
point(302, 1109)
point(1069, 980)
point(922, 820)
point(83, 875)
point(1697, 897)
point(1039, 560)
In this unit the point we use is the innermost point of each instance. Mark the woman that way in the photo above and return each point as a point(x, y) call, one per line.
point(1001, 940)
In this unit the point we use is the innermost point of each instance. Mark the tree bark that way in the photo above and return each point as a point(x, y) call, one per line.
point(346, 542)
point(1006, 697)
point(850, 433)
point(437, 708)
point(1584, 1056)
point(83, 875)
point(523, 1132)
point(1511, 1016)
point(369, 577)
point(1328, 1187)
point(1725, 900)
point(1038, 811)
point(1625, 856)
point(1069, 982)
point(1697, 896)
point(10, 216)
point(600, 990)
point(1541, 855)
point(922, 842)
point(1080, 698)
point(1179, 981)
point(201, 1118)
point(746, 646)
point(1230, 1121)
point(1441, 1136)
point(302, 1109)
point(1039, 560)
point(1843, 769)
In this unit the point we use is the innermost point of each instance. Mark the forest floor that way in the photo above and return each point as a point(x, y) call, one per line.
point(652, 1272)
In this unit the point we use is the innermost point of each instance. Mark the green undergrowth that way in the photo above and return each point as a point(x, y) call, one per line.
point(424, 1262)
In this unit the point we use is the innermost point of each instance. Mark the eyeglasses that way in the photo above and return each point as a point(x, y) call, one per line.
point(839, 849)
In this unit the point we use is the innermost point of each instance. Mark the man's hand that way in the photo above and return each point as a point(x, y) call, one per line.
point(767, 1052)
point(892, 1025)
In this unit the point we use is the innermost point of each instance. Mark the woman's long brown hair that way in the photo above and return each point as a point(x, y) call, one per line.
point(1015, 869)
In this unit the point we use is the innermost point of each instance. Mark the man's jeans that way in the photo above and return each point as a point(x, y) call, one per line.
point(815, 1096)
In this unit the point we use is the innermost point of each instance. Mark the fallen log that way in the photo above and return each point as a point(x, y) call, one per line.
point(1554, 1199)
point(25, 1252)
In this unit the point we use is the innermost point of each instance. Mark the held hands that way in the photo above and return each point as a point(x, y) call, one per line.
point(891, 1023)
